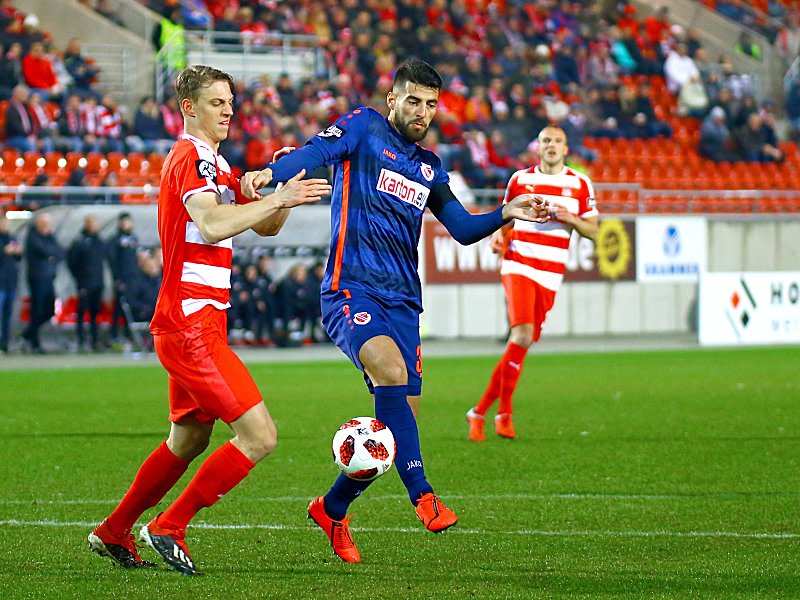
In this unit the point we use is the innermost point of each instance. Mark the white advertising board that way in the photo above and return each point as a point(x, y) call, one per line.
point(670, 249)
point(749, 308)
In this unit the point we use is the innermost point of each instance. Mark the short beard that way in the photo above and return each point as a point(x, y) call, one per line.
point(411, 135)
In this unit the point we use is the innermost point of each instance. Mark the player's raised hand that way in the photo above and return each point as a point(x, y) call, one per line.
point(528, 207)
point(299, 191)
point(252, 181)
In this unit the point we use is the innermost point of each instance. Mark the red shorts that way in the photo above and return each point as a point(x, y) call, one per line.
point(206, 378)
point(527, 302)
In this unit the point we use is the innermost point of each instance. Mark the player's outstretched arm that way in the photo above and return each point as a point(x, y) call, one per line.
point(293, 193)
point(528, 207)
point(467, 228)
point(252, 181)
point(218, 222)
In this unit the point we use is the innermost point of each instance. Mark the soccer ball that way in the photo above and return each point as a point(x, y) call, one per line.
point(363, 448)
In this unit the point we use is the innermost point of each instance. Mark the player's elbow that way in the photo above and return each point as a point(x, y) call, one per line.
point(210, 232)
point(268, 229)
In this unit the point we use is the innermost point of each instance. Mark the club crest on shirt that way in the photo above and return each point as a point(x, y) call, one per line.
point(427, 171)
point(362, 318)
point(332, 133)
point(566, 192)
point(205, 169)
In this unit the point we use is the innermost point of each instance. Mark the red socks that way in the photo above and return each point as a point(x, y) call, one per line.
point(512, 369)
point(158, 473)
point(504, 380)
point(218, 475)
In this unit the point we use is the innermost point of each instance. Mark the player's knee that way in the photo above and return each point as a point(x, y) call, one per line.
point(392, 374)
point(191, 446)
point(262, 448)
point(260, 445)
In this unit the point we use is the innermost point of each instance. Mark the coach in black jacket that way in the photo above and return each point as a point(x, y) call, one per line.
point(42, 253)
point(123, 249)
point(85, 261)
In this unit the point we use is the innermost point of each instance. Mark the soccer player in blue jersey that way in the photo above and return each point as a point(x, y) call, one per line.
point(371, 293)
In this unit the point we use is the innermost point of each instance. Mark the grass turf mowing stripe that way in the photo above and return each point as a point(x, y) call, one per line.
point(532, 532)
point(564, 496)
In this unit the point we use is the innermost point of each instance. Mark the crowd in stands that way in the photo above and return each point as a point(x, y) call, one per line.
point(507, 72)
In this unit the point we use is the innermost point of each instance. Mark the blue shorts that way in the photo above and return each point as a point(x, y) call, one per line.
point(352, 317)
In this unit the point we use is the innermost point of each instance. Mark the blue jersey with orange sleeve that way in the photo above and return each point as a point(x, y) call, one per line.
point(382, 183)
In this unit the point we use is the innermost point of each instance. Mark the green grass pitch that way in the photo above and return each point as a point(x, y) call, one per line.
point(634, 475)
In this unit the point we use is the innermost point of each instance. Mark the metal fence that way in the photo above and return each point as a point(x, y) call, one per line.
point(613, 198)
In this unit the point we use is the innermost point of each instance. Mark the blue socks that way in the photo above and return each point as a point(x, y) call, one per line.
point(391, 407)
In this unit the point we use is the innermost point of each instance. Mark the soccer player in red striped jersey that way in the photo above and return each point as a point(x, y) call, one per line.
point(200, 208)
point(534, 261)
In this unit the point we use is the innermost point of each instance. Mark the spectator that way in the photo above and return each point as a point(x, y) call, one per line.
point(83, 72)
point(679, 67)
point(746, 46)
point(18, 127)
point(715, 137)
point(85, 261)
point(144, 289)
point(110, 125)
point(574, 127)
point(694, 42)
point(603, 71)
point(10, 255)
point(693, 100)
point(169, 38)
point(122, 250)
point(43, 122)
point(793, 108)
point(753, 142)
point(42, 254)
point(481, 164)
point(294, 304)
point(788, 40)
point(149, 133)
point(261, 310)
point(657, 25)
point(39, 73)
point(10, 69)
point(173, 120)
point(72, 128)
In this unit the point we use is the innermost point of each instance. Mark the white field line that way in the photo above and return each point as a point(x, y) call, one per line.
point(486, 497)
point(457, 530)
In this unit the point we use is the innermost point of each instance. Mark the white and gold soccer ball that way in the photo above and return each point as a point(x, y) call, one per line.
point(363, 448)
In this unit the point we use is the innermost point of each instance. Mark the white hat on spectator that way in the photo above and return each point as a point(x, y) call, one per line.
point(31, 20)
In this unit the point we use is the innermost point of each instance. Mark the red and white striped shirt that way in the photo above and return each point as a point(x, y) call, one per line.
point(196, 273)
point(539, 251)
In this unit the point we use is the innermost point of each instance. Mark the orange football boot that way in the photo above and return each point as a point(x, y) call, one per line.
point(504, 426)
point(433, 514)
point(338, 532)
point(475, 426)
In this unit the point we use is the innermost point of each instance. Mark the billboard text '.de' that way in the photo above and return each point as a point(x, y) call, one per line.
point(610, 258)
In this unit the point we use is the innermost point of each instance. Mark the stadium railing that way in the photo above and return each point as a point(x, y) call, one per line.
point(246, 57)
point(613, 198)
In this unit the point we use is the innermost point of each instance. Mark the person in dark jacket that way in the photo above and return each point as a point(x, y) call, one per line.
point(122, 249)
point(144, 291)
point(85, 261)
point(10, 254)
point(42, 255)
